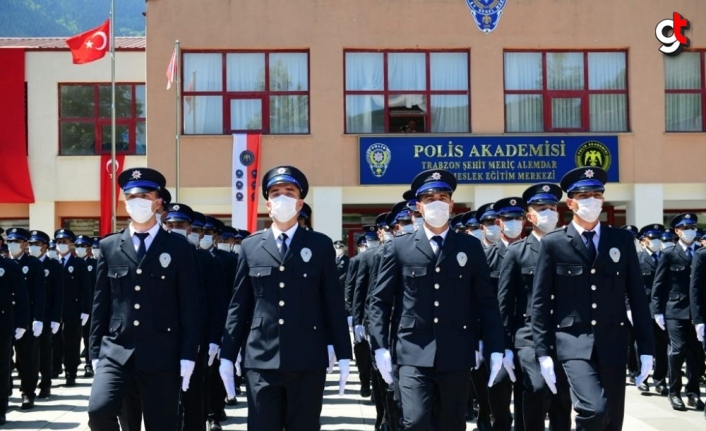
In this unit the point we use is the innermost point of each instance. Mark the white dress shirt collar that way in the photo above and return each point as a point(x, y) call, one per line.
point(289, 232)
point(431, 234)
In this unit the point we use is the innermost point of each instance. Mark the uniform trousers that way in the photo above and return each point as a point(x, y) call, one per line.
point(633, 362)
point(288, 400)
point(432, 399)
point(683, 346)
point(85, 333)
point(158, 392)
point(479, 381)
point(537, 400)
point(363, 356)
point(659, 375)
point(5, 368)
point(597, 393)
point(27, 349)
point(193, 401)
point(57, 347)
point(216, 393)
point(498, 396)
point(46, 356)
point(72, 344)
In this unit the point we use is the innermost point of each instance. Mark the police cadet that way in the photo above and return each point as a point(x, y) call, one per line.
point(304, 218)
point(433, 288)
point(287, 307)
point(411, 199)
point(342, 262)
point(472, 225)
point(146, 325)
point(83, 251)
point(668, 238)
point(27, 347)
point(651, 238)
point(15, 316)
point(633, 365)
point(486, 217)
point(77, 304)
point(456, 224)
point(584, 272)
point(54, 281)
point(697, 295)
point(96, 248)
point(670, 299)
point(514, 294)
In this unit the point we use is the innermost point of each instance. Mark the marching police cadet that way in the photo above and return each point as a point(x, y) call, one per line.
point(96, 248)
point(15, 316)
point(4, 253)
point(584, 272)
point(304, 218)
point(166, 200)
point(342, 262)
point(697, 295)
point(83, 251)
point(28, 346)
point(239, 237)
point(670, 298)
point(486, 217)
point(668, 238)
point(472, 225)
point(417, 218)
point(514, 294)
point(146, 325)
point(54, 281)
point(652, 249)
point(77, 304)
point(286, 309)
point(457, 225)
point(633, 366)
point(432, 290)
point(634, 231)
point(51, 250)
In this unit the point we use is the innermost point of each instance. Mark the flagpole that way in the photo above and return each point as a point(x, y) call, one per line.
point(177, 116)
point(113, 201)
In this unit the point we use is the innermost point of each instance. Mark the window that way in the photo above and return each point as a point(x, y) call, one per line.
point(684, 92)
point(84, 119)
point(566, 92)
point(390, 92)
point(228, 92)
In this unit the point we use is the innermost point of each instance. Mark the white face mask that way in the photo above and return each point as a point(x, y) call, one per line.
point(655, 245)
point(51, 254)
point(14, 248)
point(546, 220)
point(512, 228)
point(372, 244)
point(339, 252)
point(436, 213)
point(181, 232)
point(283, 208)
point(387, 236)
point(236, 248)
point(62, 248)
point(139, 209)
point(492, 233)
point(96, 252)
point(35, 250)
point(589, 209)
point(81, 252)
point(418, 223)
point(687, 236)
point(223, 246)
point(478, 233)
point(206, 242)
point(409, 228)
point(193, 238)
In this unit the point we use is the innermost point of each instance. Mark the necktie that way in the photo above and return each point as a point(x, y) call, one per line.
point(589, 234)
point(283, 248)
point(439, 241)
point(689, 253)
point(142, 249)
point(655, 258)
point(63, 261)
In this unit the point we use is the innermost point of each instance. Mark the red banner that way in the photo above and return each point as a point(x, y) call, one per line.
point(106, 172)
point(245, 175)
point(15, 183)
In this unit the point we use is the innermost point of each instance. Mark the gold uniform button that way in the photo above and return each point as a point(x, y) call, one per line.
point(436, 286)
point(304, 275)
point(622, 323)
point(593, 322)
point(593, 287)
point(438, 269)
point(281, 268)
point(139, 271)
point(436, 320)
point(137, 288)
point(163, 277)
point(464, 326)
point(552, 296)
point(169, 329)
point(281, 303)
point(281, 321)
point(281, 285)
point(594, 305)
point(593, 271)
point(314, 328)
point(137, 306)
point(136, 323)
point(436, 303)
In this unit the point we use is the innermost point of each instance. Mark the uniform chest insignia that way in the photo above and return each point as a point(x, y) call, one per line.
point(46, 273)
point(71, 270)
point(25, 269)
point(306, 254)
point(462, 259)
point(614, 254)
point(165, 259)
point(2, 272)
point(90, 268)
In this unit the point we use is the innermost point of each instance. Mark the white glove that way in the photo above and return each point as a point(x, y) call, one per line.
point(659, 318)
point(84, 319)
point(19, 332)
point(546, 364)
point(384, 363)
point(344, 366)
point(509, 364)
point(94, 364)
point(630, 317)
point(331, 359)
point(350, 321)
point(359, 333)
point(480, 348)
point(238, 370)
point(479, 360)
point(55, 327)
point(187, 369)
point(226, 372)
point(700, 331)
point(646, 361)
point(496, 363)
point(37, 328)
point(212, 352)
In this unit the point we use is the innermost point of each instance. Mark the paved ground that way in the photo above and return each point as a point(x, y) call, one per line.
point(66, 410)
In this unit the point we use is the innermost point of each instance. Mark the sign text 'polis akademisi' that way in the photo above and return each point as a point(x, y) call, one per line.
point(484, 159)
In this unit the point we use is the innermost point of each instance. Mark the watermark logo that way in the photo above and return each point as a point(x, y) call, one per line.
point(670, 32)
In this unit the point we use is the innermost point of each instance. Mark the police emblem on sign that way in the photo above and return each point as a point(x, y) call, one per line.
point(247, 158)
point(486, 13)
point(378, 156)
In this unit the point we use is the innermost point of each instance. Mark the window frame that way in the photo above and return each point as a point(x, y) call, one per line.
point(264, 95)
point(98, 121)
point(583, 94)
point(386, 92)
point(701, 92)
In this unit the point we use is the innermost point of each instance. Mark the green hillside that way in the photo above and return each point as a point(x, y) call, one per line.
point(59, 18)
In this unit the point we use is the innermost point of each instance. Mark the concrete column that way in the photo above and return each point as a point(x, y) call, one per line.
point(42, 216)
point(646, 205)
point(487, 194)
point(327, 205)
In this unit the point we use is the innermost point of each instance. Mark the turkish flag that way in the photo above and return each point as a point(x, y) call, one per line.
point(90, 45)
point(106, 224)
